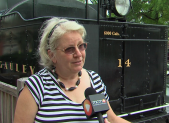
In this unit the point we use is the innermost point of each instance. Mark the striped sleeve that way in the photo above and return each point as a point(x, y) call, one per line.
point(35, 86)
point(99, 86)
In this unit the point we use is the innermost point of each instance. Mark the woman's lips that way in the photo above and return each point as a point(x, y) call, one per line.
point(77, 62)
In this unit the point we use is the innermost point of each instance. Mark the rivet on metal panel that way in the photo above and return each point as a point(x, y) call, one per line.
point(159, 100)
point(141, 104)
point(126, 25)
point(141, 107)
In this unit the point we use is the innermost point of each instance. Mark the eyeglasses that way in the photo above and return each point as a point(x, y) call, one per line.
point(71, 50)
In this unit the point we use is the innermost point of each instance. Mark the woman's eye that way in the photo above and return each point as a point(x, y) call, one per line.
point(69, 50)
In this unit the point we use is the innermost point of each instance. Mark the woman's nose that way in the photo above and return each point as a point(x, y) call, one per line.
point(77, 52)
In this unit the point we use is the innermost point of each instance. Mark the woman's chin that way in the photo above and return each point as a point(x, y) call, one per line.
point(77, 69)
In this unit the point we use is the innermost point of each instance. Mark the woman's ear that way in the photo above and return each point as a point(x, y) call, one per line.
point(51, 56)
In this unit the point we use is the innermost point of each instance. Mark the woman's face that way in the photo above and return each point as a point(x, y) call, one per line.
point(70, 62)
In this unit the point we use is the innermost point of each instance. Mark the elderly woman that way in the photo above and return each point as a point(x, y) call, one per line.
point(55, 93)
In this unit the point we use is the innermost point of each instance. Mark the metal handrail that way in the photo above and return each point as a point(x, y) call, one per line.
point(144, 110)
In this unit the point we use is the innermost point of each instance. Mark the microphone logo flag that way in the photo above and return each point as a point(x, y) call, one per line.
point(87, 107)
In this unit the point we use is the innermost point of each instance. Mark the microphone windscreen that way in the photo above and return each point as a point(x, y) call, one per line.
point(89, 91)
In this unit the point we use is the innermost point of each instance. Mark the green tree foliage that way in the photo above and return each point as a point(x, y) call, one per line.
point(149, 11)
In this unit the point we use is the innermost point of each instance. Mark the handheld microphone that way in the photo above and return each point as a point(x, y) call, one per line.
point(95, 104)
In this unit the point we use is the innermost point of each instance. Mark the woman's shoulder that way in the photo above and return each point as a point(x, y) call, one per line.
point(96, 79)
point(39, 76)
point(93, 74)
point(41, 73)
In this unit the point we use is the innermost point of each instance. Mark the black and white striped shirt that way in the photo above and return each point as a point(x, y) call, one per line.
point(53, 105)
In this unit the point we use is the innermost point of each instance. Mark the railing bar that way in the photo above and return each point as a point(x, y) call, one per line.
point(2, 119)
point(144, 110)
point(12, 107)
point(8, 108)
point(5, 112)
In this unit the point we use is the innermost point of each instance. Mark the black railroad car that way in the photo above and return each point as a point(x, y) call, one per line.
point(131, 58)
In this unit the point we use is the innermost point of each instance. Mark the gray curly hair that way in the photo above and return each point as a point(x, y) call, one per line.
point(49, 35)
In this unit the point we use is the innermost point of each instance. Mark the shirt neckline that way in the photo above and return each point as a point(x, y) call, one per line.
point(61, 91)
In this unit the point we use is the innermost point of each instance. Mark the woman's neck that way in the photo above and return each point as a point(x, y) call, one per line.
point(68, 78)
